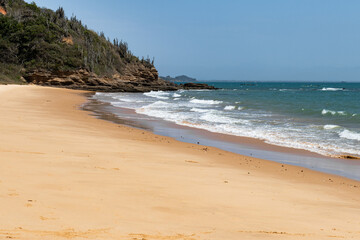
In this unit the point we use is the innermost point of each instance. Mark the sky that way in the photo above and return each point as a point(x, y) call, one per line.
point(277, 40)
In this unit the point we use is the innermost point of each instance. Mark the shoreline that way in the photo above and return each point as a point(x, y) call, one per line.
point(251, 147)
point(66, 174)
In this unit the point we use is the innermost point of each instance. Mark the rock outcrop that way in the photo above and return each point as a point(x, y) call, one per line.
point(133, 80)
point(2, 10)
point(136, 78)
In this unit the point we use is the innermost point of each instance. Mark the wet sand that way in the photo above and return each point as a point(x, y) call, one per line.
point(67, 175)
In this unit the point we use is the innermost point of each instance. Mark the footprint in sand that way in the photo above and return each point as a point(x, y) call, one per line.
point(46, 218)
point(13, 194)
point(189, 161)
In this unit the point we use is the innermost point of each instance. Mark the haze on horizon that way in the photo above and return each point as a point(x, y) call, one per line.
point(278, 40)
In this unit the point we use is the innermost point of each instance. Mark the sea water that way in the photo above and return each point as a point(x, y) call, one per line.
point(319, 117)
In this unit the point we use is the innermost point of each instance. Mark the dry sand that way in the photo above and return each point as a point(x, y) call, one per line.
point(66, 175)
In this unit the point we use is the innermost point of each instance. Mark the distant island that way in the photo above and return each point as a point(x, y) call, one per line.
point(181, 78)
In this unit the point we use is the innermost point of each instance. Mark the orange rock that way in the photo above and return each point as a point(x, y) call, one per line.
point(2, 11)
point(68, 40)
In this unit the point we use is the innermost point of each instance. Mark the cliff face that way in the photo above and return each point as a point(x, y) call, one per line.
point(135, 79)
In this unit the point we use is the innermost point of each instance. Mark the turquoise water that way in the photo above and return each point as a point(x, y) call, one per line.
point(318, 117)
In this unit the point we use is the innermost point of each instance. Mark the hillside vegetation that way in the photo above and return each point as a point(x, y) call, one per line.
point(34, 38)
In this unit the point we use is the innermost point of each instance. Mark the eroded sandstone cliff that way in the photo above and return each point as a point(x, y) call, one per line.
point(136, 78)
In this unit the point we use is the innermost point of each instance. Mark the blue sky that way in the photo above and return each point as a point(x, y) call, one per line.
point(286, 40)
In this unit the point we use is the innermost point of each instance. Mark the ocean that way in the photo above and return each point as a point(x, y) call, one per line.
point(319, 117)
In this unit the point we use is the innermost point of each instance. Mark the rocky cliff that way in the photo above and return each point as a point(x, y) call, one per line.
point(134, 79)
point(45, 47)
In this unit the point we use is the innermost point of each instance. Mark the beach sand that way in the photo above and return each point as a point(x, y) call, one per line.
point(67, 175)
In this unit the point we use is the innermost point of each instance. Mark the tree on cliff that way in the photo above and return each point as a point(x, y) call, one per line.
point(34, 38)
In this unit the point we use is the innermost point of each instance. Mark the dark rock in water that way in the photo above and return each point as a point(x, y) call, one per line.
point(188, 86)
point(349, 157)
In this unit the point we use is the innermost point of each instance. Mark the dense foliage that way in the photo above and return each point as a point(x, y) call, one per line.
point(38, 38)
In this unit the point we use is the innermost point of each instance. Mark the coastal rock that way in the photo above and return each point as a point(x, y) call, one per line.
point(136, 78)
point(2, 10)
point(349, 157)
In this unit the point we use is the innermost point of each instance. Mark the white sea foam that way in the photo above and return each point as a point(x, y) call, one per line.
point(99, 94)
point(332, 89)
point(157, 104)
point(160, 109)
point(330, 126)
point(326, 111)
point(229, 108)
point(350, 135)
point(175, 95)
point(199, 110)
point(209, 102)
point(126, 99)
point(157, 94)
point(216, 118)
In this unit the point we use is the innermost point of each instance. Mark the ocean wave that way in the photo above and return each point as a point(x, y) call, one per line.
point(332, 89)
point(100, 94)
point(199, 110)
point(230, 108)
point(350, 135)
point(126, 99)
point(330, 126)
point(209, 102)
point(160, 110)
point(157, 104)
point(175, 95)
point(158, 113)
point(326, 111)
point(214, 118)
point(157, 94)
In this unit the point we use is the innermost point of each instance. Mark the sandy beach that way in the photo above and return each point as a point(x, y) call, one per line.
point(67, 175)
